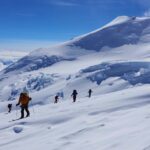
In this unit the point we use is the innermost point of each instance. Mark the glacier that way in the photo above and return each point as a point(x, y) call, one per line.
point(113, 61)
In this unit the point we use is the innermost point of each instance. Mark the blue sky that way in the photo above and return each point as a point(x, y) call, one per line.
point(29, 24)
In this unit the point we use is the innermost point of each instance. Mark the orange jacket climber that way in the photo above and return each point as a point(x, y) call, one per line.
point(24, 99)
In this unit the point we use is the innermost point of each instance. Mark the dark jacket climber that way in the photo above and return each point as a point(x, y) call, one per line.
point(56, 99)
point(74, 95)
point(90, 92)
point(9, 107)
point(23, 102)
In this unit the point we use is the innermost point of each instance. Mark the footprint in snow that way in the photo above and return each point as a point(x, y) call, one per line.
point(101, 125)
point(49, 128)
point(17, 129)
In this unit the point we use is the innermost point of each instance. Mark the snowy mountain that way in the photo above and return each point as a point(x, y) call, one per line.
point(127, 35)
point(123, 30)
point(8, 57)
point(114, 61)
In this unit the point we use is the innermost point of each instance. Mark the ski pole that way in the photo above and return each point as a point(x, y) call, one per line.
point(32, 107)
point(16, 111)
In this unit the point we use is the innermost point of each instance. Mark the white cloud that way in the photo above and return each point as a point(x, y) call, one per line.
point(144, 3)
point(63, 3)
point(147, 13)
point(24, 45)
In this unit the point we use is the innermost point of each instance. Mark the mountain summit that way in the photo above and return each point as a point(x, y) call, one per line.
point(122, 30)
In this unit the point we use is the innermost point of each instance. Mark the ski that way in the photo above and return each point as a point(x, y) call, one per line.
point(17, 119)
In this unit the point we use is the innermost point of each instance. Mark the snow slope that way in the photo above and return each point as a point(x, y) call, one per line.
point(115, 67)
point(111, 121)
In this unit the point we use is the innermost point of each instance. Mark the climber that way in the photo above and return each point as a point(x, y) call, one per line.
point(24, 100)
point(9, 108)
point(90, 92)
point(74, 95)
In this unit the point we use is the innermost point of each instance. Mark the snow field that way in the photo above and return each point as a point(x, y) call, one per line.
point(110, 121)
